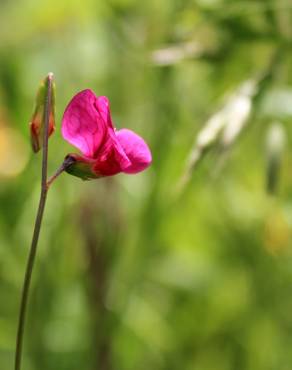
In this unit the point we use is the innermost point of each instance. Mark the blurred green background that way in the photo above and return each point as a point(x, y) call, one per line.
point(138, 272)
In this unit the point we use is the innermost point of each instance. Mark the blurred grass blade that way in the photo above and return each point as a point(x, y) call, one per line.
point(176, 53)
point(223, 127)
point(238, 112)
point(275, 145)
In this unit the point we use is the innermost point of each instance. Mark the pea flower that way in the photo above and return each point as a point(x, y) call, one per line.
point(87, 125)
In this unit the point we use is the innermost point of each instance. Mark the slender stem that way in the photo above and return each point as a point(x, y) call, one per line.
point(37, 227)
point(68, 161)
point(60, 170)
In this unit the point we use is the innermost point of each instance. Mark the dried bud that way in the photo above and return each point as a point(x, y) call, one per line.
point(37, 122)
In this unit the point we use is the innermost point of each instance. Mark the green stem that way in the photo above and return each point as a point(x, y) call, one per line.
point(37, 227)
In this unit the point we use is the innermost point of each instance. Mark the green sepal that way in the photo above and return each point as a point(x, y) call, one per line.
point(80, 167)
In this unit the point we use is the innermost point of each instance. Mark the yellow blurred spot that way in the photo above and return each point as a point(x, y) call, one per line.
point(14, 152)
point(276, 234)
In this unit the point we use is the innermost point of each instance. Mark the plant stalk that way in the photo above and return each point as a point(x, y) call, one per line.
point(37, 227)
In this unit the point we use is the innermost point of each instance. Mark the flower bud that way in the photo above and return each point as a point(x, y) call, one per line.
point(37, 122)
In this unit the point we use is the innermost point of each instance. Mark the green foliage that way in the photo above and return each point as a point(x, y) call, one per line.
point(135, 272)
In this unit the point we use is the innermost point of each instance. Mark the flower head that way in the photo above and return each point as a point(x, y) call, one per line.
point(87, 125)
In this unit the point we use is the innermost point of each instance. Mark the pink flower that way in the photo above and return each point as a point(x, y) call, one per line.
point(105, 151)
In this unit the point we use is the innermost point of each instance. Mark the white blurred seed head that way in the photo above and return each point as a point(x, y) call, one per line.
point(276, 139)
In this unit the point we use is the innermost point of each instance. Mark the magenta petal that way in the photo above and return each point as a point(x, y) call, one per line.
point(86, 122)
point(112, 160)
point(102, 106)
point(136, 150)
